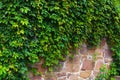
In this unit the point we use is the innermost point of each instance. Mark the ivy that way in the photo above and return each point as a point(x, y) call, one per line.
point(46, 29)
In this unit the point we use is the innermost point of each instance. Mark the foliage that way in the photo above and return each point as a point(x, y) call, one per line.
point(115, 70)
point(104, 74)
point(117, 4)
point(31, 30)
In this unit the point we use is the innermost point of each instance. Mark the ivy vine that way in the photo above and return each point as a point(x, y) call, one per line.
point(32, 30)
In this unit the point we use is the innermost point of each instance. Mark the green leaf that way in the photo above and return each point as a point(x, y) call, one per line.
point(1, 5)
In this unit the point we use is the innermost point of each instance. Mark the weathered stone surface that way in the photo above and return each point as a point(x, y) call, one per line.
point(84, 66)
point(91, 77)
point(39, 67)
point(69, 74)
point(85, 74)
point(100, 58)
point(108, 66)
point(60, 74)
point(58, 67)
point(91, 51)
point(108, 60)
point(89, 57)
point(62, 78)
point(73, 77)
point(99, 52)
point(73, 65)
point(117, 77)
point(83, 49)
point(99, 64)
point(88, 65)
point(95, 73)
point(51, 78)
point(81, 78)
point(103, 42)
point(84, 57)
point(76, 59)
point(107, 52)
point(36, 78)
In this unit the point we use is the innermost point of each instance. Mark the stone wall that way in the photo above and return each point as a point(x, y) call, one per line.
point(84, 65)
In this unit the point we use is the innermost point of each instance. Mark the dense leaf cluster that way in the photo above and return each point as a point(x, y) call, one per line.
point(31, 30)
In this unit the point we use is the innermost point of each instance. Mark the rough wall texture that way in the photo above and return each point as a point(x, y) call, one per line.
point(84, 65)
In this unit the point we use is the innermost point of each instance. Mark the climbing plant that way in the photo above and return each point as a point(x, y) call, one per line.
point(35, 30)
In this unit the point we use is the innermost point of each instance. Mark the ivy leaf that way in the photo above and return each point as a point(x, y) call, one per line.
point(24, 22)
point(1, 5)
point(24, 9)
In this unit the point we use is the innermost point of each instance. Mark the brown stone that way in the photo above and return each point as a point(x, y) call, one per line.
point(81, 78)
point(103, 42)
point(99, 52)
point(117, 77)
point(99, 64)
point(84, 56)
point(83, 49)
point(76, 59)
point(36, 78)
point(95, 73)
point(59, 67)
point(60, 74)
point(62, 78)
point(89, 57)
point(91, 51)
point(108, 66)
point(100, 58)
point(52, 78)
point(39, 67)
point(107, 52)
point(108, 60)
point(88, 65)
point(73, 77)
point(73, 65)
point(69, 74)
point(85, 74)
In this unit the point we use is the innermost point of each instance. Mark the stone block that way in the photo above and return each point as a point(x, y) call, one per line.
point(85, 74)
point(89, 57)
point(99, 64)
point(91, 51)
point(99, 58)
point(108, 66)
point(36, 78)
point(62, 78)
point(83, 49)
point(95, 73)
point(117, 77)
point(88, 65)
point(84, 57)
point(108, 60)
point(39, 67)
point(69, 74)
point(107, 52)
point(72, 65)
point(99, 52)
point(73, 77)
point(60, 74)
point(52, 78)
